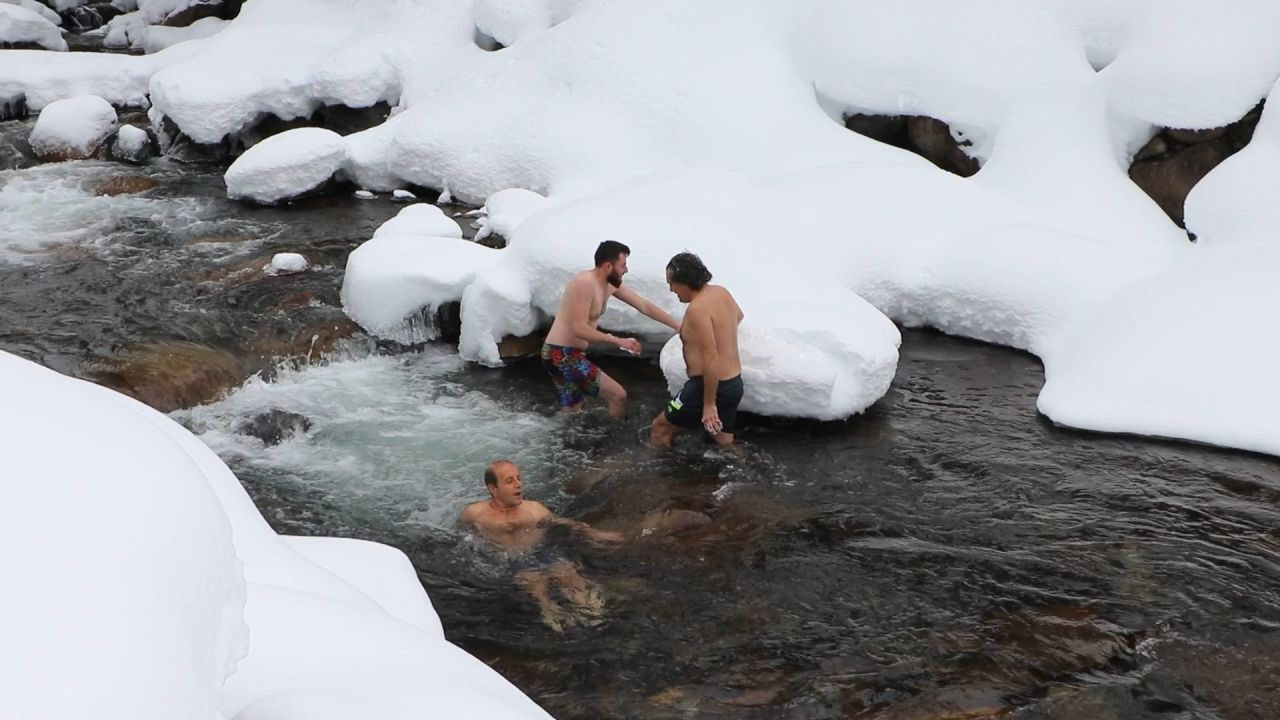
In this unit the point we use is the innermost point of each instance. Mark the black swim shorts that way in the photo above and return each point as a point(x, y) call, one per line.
point(685, 409)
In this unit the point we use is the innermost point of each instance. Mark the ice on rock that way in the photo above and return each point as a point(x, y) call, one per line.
point(22, 24)
point(286, 165)
point(364, 195)
point(74, 128)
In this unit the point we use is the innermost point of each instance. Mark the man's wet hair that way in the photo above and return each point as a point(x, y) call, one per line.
point(491, 472)
point(610, 251)
point(687, 269)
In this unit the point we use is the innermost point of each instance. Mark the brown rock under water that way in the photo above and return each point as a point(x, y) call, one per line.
point(125, 185)
point(171, 375)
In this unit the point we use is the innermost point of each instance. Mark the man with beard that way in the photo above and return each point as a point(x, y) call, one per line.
point(564, 352)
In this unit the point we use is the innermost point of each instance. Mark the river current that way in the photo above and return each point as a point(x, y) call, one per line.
point(948, 554)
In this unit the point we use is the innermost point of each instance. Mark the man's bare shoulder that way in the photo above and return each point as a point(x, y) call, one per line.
point(537, 509)
point(473, 512)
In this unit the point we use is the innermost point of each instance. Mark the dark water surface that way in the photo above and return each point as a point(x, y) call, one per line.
point(949, 554)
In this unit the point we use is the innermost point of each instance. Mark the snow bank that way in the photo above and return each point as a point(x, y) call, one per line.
point(123, 594)
point(1185, 354)
point(44, 76)
point(286, 165)
point(38, 8)
point(73, 128)
point(178, 561)
point(22, 24)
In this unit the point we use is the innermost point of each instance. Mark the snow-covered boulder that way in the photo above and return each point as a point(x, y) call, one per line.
point(286, 264)
point(124, 597)
point(138, 571)
point(38, 8)
point(23, 25)
point(73, 129)
point(285, 166)
point(132, 144)
point(159, 37)
point(420, 219)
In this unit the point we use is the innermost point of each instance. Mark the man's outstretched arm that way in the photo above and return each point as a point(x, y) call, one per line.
point(600, 536)
point(646, 307)
point(579, 309)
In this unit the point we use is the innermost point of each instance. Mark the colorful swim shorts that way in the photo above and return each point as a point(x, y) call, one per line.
point(573, 374)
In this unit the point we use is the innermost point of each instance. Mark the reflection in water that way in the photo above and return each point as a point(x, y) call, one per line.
point(949, 554)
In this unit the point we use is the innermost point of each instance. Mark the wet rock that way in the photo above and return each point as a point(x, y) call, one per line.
point(274, 426)
point(1236, 673)
point(1154, 148)
point(312, 338)
point(177, 146)
point(13, 107)
point(932, 139)
point(88, 17)
point(1168, 180)
point(514, 347)
point(171, 375)
point(133, 145)
point(888, 129)
point(125, 185)
point(1195, 137)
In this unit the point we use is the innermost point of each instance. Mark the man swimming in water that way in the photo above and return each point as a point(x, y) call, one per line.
point(518, 526)
point(585, 297)
point(710, 335)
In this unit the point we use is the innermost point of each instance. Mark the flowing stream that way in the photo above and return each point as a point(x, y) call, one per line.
point(948, 554)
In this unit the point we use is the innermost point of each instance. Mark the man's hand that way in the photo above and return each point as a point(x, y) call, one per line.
point(711, 419)
point(631, 345)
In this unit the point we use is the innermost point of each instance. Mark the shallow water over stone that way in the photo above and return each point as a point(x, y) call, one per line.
point(949, 554)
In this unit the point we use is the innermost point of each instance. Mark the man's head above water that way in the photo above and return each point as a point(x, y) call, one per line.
point(613, 254)
point(502, 480)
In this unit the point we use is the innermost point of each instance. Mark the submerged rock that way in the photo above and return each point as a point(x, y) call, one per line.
point(171, 375)
point(125, 185)
point(13, 107)
point(274, 426)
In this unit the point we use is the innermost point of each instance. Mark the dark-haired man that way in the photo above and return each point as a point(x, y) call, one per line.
point(710, 336)
point(564, 352)
point(518, 526)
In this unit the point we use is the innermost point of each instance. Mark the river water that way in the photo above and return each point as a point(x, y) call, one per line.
point(948, 554)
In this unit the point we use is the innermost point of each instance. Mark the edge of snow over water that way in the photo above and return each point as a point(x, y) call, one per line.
point(181, 564)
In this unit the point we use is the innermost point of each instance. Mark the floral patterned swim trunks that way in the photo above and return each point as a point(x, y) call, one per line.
point(574, 375)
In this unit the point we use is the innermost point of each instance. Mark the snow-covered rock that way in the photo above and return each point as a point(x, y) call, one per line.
point(286, 165)
point(159, 37)
point(22, 25)
point(199, 610)
point(44, 77)
point(39, 8)
point(286, 264)
point(132, 144)
point(73, 129)
point(420, 219)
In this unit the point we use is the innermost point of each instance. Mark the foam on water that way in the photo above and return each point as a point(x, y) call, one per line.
point(397, 435)
point(56, 204)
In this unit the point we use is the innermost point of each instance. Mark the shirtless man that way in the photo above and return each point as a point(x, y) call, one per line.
point(710, 335)
point(584, 301)
point(517, 526)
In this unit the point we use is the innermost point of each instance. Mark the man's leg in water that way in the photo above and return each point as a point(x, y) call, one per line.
point(537, 584)
point(614, 395)
point(662, 432)
point(576, 589)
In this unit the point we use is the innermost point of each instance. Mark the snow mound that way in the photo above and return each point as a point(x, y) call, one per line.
point(160, 37)
point(286, 263)
point(73, 129)
point(132, 144)
point(1239, 200)
point(123, 518)
point(420, 219)
point(1178, 355)
point(286, 165)
point(20, 23)
point(182, 566)
point(38, 8)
